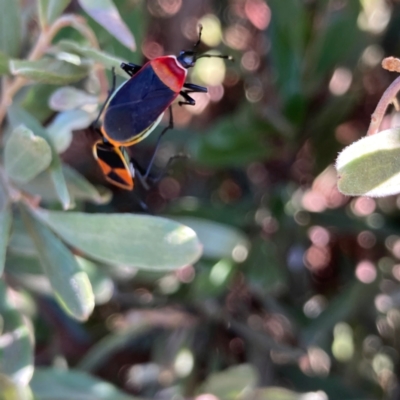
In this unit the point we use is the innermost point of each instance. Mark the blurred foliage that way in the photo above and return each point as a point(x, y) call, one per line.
point(296, 295)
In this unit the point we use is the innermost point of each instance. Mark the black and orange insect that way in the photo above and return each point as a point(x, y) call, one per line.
point(115, 163)
point(133, 110)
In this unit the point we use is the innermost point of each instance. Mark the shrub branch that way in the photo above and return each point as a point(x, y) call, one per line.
point(388, 97)
point(41, 46)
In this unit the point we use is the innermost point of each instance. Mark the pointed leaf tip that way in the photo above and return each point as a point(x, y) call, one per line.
point(141, 241)
point(26, 155)
point(106, 14)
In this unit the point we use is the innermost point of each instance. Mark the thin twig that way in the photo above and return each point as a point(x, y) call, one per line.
point(44, 40)
point(386, 99)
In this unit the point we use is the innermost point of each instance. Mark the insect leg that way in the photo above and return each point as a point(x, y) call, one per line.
point(130, 69)
point(195, 88)
point(110, 92)
point(165, 169)
point(191, 88)
point(189, 100)
point(139, 171)
point(167, 128)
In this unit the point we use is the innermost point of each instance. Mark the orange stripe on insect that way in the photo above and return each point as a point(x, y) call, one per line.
point(104, 166)
point(123, 174)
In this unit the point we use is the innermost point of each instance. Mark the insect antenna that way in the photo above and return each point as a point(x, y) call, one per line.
point(227, 57)
point(199, 39)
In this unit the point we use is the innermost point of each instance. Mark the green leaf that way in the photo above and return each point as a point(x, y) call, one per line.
point(36, 101)
point(9, 390)
point(212, 280)
point(5, 230)
point(231, 383)
point(288, 32)
point(54, 384)
point(18, 116)
point(10, 23)
point(16, 357)
point(70, 284)
point(25, 155)
point(50, 10)
point(112, 343)
point(69, 98)
point(218, 240)
point(371, 166)
point(60, 185)
point(233, 141)
point(20, 241)
point(264, 269)
point(140, 241)
point(106, 14)
point(324, 123)
point(78, 187)
point(102, 284)
point(60, 129)
point(106, 59)
point(49, 70)
point(4, 64)
point(351, 300)
point(82, 189)
point(27, 271)
point(4, 194)
point(324, 53)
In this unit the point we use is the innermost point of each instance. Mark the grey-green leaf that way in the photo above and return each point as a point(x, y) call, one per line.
point(69, 98)
point(82, 189)
point(5, 230)
point(16, 357)
point(218, 240)
point(18, 116)
point(50, 10)
point(78, 187)
point(102, 284)
point(10, 27)
point(25, 155)
point(280, 393)
point(20, 242)
point(49, 70)
point(60, 129)
point(231, 383)
point(28, 272)
point(142, 241)
point(57, 384)
point(112, 343)
point(106, 59)
point(70, 284)
point(36, 99)
point(4, 194)
point(106, 14)
point(371, 166)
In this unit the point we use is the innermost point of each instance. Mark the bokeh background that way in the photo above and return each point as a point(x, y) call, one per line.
point(309, 299)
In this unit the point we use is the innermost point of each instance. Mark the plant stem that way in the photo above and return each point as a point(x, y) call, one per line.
point(41, 46)
point(387, 98)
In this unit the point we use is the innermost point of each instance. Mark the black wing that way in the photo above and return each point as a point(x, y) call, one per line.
point(137, 105)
